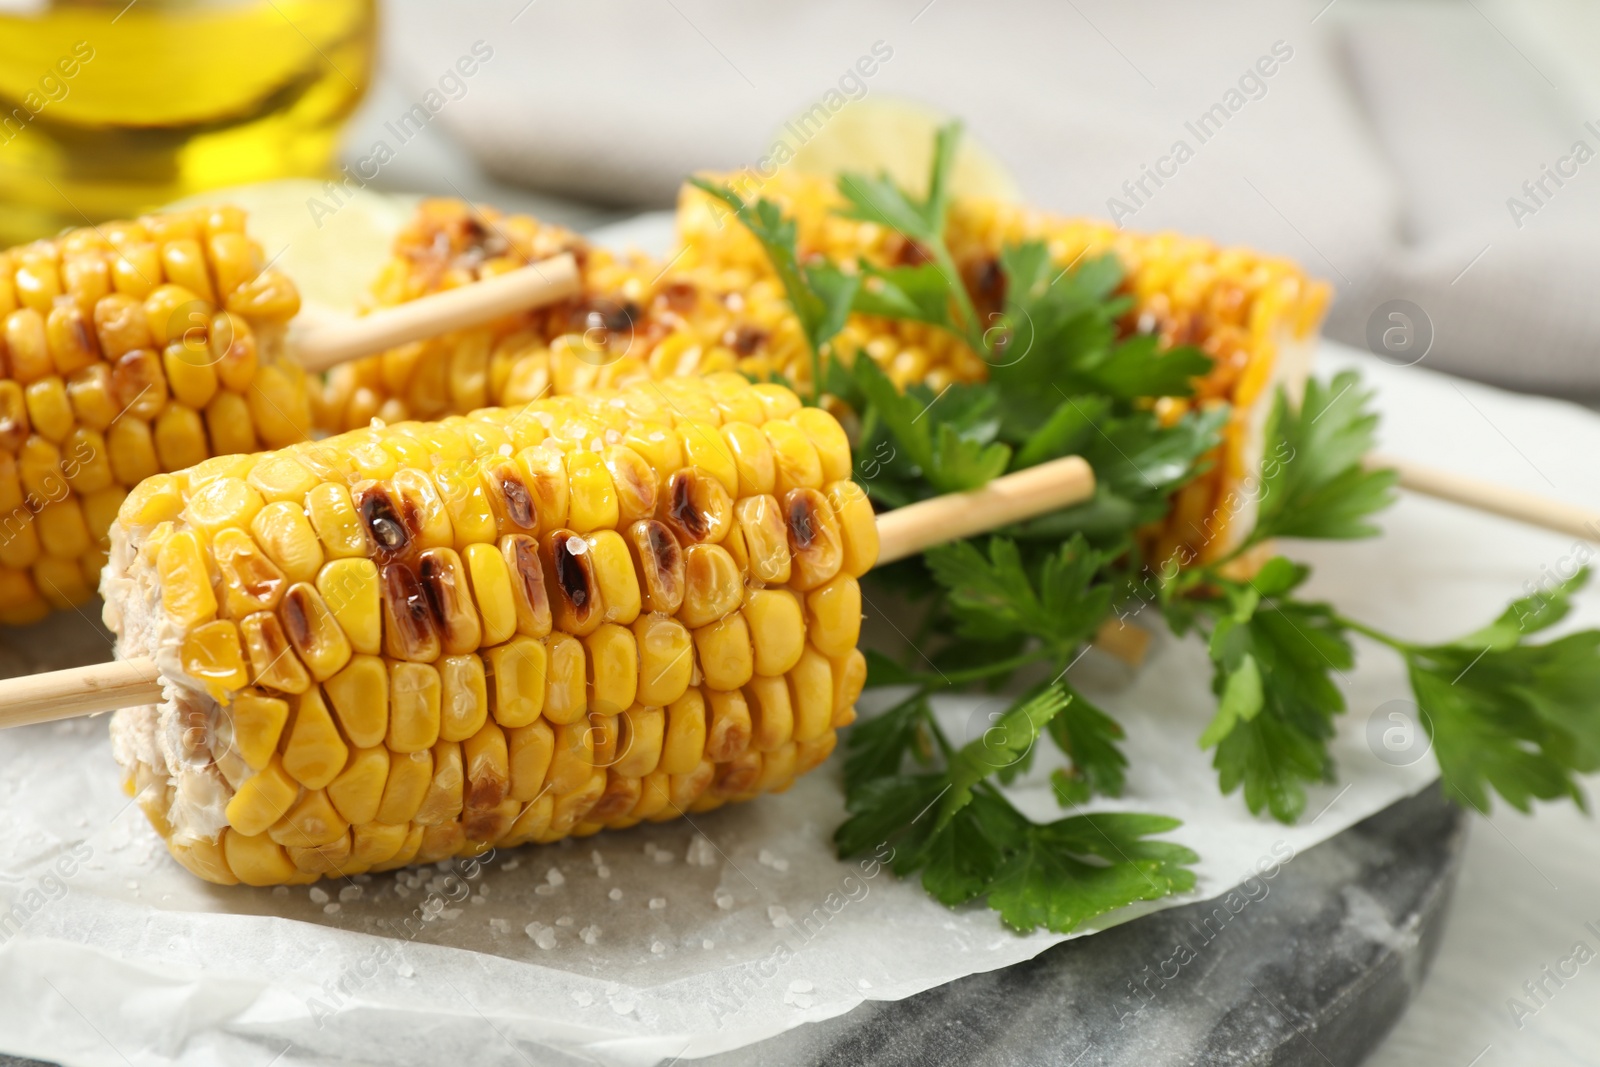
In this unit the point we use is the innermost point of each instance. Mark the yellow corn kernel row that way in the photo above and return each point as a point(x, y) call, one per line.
point(127, 350)
point(407, 643)
point(716, 305)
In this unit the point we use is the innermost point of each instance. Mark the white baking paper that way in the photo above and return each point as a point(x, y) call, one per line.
point(689, 938)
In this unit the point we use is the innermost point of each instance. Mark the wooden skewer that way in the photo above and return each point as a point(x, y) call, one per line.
point(327, 344)
point(1531, 508)
point(902, 532)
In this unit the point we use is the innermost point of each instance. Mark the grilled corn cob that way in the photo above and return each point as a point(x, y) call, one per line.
point(127, 350)
point(717, 305)
point(418, 641)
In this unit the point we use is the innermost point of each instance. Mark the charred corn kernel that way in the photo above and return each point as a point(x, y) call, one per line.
point(592, 502)
point(313, 631)
point(133, 451)
point(545, 477)
point(814, 542)
point(287, 537)
point(138, 385)
point(713, 586)
point(696, 507)
point(338, 527)
point(186, 596)
point(251, 580)
point(777, 629)
point(409, 629)
point(89, 392)
point(833, 615)
point(180, 437)
point(312, 821)
point(49, 410)
point(723, 649)
point(258, 723)
point(273, 664)
point(729, 727)
point(613, 664)
point(666, 659)
point(687, 788)
point(490, 581)
point(464, 698)
point(444, 580)
point(414, 706)
point(424, 509)
point(350, 589)
point(634, 482)
point(566, 680)
point(120, 326)
point(517, 672)
point(70, 336)
point(572, 583)
point(811, 694)
point(443, 800)
point(766, 538)
point(313, 751)
point(529, 750)
point(211, 656)
point(570, 808)
point(27, 350)
point(683, 744)
point(620, 797)
point(228, 425)
point(360, 697)
point(487, 762)
point(262, 799)
point(658, 565)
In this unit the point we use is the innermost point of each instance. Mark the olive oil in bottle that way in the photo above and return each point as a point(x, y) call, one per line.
point(109, 108)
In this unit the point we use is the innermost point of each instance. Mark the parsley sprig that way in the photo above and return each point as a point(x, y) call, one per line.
point(1014, 610)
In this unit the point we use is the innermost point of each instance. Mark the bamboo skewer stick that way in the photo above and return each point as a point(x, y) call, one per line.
point(320, 346)
point(903, 532)
point(1530, 508)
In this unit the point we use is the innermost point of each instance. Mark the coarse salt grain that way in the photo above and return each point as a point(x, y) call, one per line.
point(725, 901)
point(349, 893)
point(657, 903)
point(702, 853)
point(565, 920)
point(589, 934)
point(657, 947)
point(778, 914)
point(319, 895)
point(541, 935)
point(615, 894)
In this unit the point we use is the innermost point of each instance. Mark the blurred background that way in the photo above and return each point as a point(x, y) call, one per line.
point(1434, 151)
point(1444, 153)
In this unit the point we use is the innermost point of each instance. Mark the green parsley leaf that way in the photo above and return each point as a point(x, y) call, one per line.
point(949, 443)
point(996, 595)
point(1078, 868)
point(1089, 738)
point(877, 747)
point(1002, 745)
point(1313, 483)
point(917, 294)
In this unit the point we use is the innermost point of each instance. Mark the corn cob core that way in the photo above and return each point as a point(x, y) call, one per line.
point(716, 305)
point(127, 350)
point(422, 640)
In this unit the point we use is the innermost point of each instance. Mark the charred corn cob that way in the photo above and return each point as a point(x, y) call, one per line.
point(418, 641)
point(716, 305)
point(127, 350)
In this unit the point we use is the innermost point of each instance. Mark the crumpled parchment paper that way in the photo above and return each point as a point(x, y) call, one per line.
point(693, 937)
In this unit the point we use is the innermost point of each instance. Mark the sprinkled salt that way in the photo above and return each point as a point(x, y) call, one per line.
point(280, 890)
point(544, 890)
point(565, 920)
point(555, 877)
point(319, 895)
point(778, 914)
point(708, 943)
point(582, 999)
point(657, 947)
point(330, 909)
point(615, 894)
point(349, 893)
point(596, 858)
point(590, 934)
point(702, 853)
point(500, 926)
point(663, 856)
point(541, 935)
point(863, 983)
point(725, 901)
point(404, 969)
point(767, 859)
point(510, 865)
point(800, 985)
point(603, 871)
point(657, 903)
point(622, 1006)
